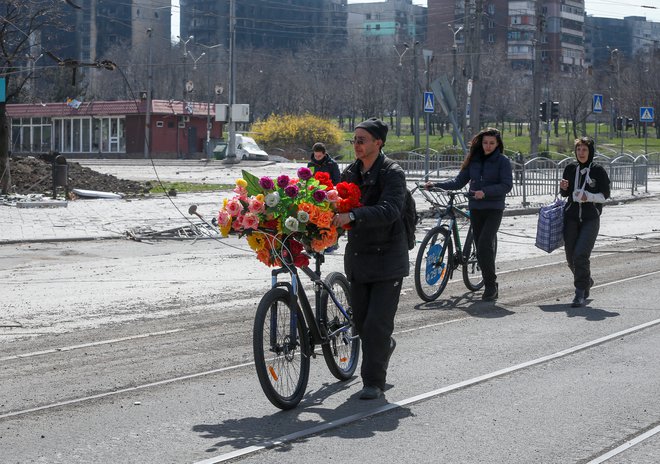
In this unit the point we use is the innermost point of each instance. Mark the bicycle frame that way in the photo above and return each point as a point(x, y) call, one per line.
point(302, 303)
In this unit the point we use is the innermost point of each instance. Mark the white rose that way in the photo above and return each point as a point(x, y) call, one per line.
point(272, 199)
point(291, 223)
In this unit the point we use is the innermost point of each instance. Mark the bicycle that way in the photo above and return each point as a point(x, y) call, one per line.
point(436, 259)
point(287, 331)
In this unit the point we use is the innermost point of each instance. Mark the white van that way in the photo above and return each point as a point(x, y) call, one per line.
point(247, 149)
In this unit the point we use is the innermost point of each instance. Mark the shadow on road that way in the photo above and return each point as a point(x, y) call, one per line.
point(266, 430)
point(469, 303)
point(587, 312)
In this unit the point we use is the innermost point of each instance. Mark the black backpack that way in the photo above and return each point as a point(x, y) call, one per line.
point(410, 219)
point(409, 213)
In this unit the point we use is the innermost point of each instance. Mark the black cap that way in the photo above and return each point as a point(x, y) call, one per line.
point(375, 127)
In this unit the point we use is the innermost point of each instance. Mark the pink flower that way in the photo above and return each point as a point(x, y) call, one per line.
point(332, 196)
point(241, 191)
point(250, 221)
point(304, 173)
point(223, 218)
point(238, 223)
point(234, 208)
point(256, 206)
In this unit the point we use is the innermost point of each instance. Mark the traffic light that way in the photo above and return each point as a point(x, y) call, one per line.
point(554, 111)
point(619, 123)
point(543, 111)
point(629, 123)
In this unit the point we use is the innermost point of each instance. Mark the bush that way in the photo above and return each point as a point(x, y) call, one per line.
point(295, 133)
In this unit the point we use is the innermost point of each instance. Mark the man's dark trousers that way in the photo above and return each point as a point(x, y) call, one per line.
point(374, 307)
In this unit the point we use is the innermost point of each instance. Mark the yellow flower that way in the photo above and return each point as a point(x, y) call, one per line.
point(241, 182)
point(256, 241)
point(225, 230)
point(260, 197)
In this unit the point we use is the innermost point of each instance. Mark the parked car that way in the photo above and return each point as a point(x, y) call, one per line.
point(246, 149)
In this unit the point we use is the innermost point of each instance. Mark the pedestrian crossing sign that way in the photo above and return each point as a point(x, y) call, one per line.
point(429, 105)
point(598, 103)
point(646, 114)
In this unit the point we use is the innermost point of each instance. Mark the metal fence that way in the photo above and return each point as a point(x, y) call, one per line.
point(538, 175)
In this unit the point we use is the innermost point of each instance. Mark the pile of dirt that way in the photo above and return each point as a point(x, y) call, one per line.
point(34, 175)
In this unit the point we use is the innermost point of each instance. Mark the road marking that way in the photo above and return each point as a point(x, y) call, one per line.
point(625, 446)
point(123, 390)
point(424, 396)
point(87, 345)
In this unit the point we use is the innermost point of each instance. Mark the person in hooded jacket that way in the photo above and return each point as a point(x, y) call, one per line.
point(488, 171)
point(586, 186)
point(322, 162)
point(376, 258)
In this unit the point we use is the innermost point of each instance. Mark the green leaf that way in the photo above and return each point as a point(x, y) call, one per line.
point(253, 187)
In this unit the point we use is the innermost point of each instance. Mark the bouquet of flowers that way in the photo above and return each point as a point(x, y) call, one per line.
point(295, 211)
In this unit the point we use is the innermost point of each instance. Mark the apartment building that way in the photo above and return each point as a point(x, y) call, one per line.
point(272, 24)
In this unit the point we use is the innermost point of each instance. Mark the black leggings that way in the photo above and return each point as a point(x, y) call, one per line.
point(485, 224)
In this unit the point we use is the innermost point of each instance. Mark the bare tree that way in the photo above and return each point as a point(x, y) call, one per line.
point(22, 27)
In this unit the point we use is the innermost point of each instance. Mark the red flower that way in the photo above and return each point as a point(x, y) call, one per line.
point(324, 179)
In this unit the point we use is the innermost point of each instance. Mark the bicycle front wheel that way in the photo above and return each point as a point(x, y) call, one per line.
point(433, 264)
point(281, 348)
point(342, 350)
point(471, 270)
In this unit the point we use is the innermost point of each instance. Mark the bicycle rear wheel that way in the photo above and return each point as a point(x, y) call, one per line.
point(433, 263)
point(342, 350)
point(281, 348)
point(471, 269)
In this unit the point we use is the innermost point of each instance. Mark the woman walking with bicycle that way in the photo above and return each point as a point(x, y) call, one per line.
point(488, 171)
point(376, 259)
point(587, 186)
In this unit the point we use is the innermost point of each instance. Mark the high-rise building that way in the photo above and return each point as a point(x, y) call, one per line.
point(389, 22)
point(102, 24)
point(523, 28)
point(272, 24)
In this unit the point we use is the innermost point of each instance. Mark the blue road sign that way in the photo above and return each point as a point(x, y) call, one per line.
point(429, 104)
point(598, 103)
point(645, 114)
point(3, 95)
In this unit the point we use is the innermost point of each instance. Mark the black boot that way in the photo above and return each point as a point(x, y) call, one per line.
point(490, 293)
point(579, 299)
point(591, 284)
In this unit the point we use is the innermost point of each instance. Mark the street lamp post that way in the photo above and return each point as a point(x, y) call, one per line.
point(398, 93)
point(231, 148)
point(147, 118)
point(210, 98)
point(415, 93)
point(454, 51)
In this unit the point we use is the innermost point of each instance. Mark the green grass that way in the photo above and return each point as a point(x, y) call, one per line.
point(187, 187)
point(512, 142)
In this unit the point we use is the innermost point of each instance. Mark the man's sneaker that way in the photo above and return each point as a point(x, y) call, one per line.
point(392, 346)
point(578, 301)
point(370, 393)
point(591, 284)
point(491, 293)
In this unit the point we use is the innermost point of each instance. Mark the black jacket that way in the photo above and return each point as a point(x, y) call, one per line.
point(377, 247)
point(327, 164)
point(600, 183)
point(491, 173)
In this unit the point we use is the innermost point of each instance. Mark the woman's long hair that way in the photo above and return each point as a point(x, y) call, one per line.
point(477, 148)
